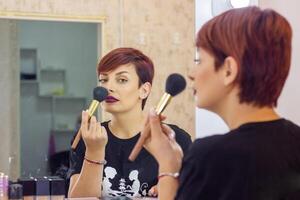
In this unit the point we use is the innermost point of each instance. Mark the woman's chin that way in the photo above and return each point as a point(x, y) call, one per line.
point(111, 110)
point(108, 109)
point(202, 105)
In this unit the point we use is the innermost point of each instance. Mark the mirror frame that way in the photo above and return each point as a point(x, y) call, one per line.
point(99, 19)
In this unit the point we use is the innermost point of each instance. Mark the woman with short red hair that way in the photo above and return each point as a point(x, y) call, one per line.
point(245, 57)
point(99, 165)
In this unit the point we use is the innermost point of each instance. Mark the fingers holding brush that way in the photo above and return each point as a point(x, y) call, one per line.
point(94, 137)
point(145, 133)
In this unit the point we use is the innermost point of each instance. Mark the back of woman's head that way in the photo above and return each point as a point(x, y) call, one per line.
point(122, 56)
point(260, 42)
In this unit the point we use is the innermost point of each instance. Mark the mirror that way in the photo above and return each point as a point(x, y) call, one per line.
point(56, 62)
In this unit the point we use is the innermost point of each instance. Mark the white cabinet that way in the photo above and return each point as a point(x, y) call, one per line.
point(50, 82)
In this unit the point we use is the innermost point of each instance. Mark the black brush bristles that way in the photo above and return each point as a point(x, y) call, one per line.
point(175, 84)
point(100, 93)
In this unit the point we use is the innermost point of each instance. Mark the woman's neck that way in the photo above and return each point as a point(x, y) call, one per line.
point(248, 114)
point(236, 114)
point(128, 124)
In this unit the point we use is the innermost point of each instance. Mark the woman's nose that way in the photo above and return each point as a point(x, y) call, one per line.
point(191, 74)
point(110, 86)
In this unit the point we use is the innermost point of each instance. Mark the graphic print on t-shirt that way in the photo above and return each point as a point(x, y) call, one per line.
point(115, 185)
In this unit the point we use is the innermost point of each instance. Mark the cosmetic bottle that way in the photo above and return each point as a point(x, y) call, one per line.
point(15, 192)
point(3, 186)
point(57, 188)
point(42, 188)
point(28, 185)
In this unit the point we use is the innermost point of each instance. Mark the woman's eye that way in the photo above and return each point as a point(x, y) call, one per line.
point(122, 80)
point(102, 80)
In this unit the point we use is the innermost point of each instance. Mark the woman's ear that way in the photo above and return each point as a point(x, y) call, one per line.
point(145, 90)
point(230, 70)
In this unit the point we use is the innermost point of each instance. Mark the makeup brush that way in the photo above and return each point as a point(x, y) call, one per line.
point(174, 85)
point(99, 94)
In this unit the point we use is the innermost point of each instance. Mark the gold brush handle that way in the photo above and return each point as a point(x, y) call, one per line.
point(91, 110)
point(163, 102)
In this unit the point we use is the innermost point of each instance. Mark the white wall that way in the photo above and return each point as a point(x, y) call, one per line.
point(288, 105)
point(9, 100)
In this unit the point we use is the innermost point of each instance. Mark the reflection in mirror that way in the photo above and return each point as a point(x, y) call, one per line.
point(57, 74)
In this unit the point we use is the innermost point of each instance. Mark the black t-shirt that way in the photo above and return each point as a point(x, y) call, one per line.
point(122, 177)
point(257, 161)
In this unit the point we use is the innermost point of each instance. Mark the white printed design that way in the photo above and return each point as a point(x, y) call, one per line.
point(129, 190)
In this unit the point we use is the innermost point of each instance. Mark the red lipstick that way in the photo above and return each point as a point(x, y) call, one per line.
point(111, 99)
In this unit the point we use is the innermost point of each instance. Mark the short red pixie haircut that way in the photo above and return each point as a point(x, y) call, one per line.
point(121, 56)
point(260, 42)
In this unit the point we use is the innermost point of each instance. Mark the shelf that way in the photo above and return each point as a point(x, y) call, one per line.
point(52, 70)
point(63, 131)
point(29, 82)
point(28, 62)
point(62, 97)
point(52, 82)
point(68, 97)
point(50, 86)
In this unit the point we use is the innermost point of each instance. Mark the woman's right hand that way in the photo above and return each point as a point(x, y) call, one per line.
point(162, 145)
point(93, 135)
